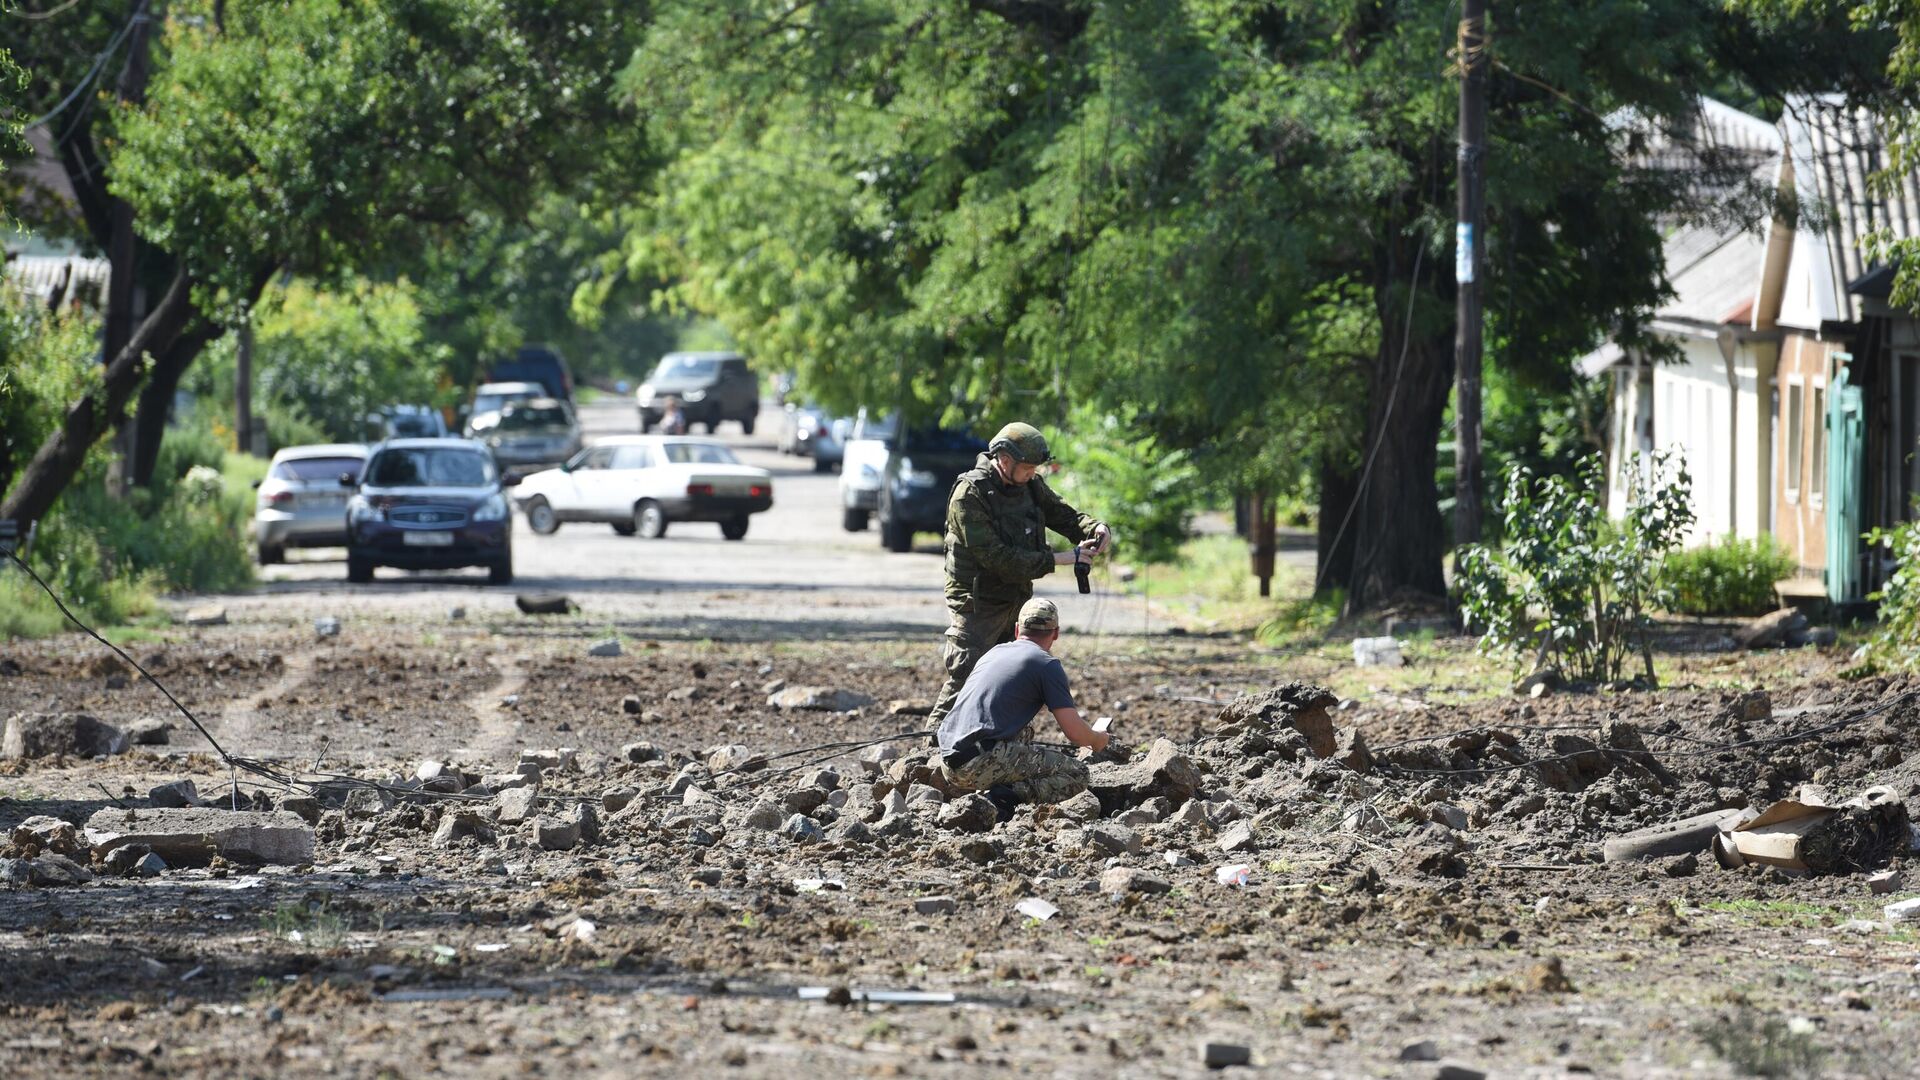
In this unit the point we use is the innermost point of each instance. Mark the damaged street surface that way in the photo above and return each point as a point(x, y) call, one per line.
point(688, 854)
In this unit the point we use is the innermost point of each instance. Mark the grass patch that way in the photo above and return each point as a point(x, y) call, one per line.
point(1770, 1046)
point(314, 925)
point(1211, 584)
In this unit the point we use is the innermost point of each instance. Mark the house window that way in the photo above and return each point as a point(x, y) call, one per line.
point(1796, 434)
point(1817, 420)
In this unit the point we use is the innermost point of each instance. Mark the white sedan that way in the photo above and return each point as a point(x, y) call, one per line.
point(643, 483)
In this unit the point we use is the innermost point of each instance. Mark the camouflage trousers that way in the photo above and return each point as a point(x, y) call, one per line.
point(966, 641)
point(1035, 774)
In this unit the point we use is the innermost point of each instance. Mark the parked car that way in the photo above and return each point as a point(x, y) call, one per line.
point(490, 398)
point(300, 503)
point(532, 433)
point(536, 364)
point(917, 479)
point(711, 386)
point(406, 422)
point(863, 464)
point(813, 432)
point(428, 504)
point(643, 483)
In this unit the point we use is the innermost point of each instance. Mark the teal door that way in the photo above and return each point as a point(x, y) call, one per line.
point(1846, 450)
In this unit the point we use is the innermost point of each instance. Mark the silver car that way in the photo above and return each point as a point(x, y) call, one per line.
point(813, 432)
point(301, 503)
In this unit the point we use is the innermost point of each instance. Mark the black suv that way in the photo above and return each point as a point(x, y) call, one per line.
point(919, 477)
point(711, 386)
point(536, 364)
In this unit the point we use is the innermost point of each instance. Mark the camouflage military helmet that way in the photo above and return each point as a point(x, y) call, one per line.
point(1024, 442)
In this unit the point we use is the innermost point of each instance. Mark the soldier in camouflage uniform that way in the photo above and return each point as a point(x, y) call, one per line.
point(997, 520)
point(986, 739)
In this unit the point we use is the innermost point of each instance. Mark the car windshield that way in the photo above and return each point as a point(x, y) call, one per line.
point(699, 454)
point(324, 469)
point(686, 367)
point(413, 425)
point(524, 419)
point(430, 467)
point(486, 403)
point(944, 442)
point(881, 428)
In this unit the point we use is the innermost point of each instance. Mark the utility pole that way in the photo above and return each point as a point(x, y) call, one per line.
point(1469, 244)
point(243, 387)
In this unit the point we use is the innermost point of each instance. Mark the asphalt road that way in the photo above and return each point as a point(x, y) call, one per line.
point(797, 573)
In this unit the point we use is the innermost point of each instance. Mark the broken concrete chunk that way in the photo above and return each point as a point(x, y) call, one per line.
point(47, 834)
point(1377, 652)
point(176, 794)
point(969, 813)
point(193, 835)
point(326, 626)
point(764, 815)
point(1083, 807)
point(208, 615)
point(555, 833)
point(818, 698)
point(1164, 771)
point(149, 732)
point(1125, 879)
point(803, 830)
point(1221, 1055)
point(46, 871)
point(1112, 839)
point(457, 825)
point(40, 735)
point(735, 758)
point(549, 760)
point(1453, 817)
point(934, 905)
point(1770, 629)
point(514, 805)
point(637, 752)
point(1302, 707)
point(613, 800)
point(1886, 881)
point(133, 860)
point(1237, 837)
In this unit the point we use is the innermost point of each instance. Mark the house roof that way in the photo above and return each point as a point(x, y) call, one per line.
point(1836, 150)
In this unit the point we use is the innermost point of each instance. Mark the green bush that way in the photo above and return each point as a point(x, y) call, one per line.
point(1124, 477)
point(1728, 577)
point(1567, 588)
point(1897, 643)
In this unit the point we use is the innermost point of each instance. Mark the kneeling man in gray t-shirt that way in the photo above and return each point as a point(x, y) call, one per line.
point(986, 738)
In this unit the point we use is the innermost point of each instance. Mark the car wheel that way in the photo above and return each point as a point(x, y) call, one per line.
point(270, 554)
point(734, 528)
point(895, 536)
point(746, 426)
point(501, 573)
point(822, 466)
point(359, 570)
point(854, 520)
point(650, 519)
point(541, 518)
point(646, 425)
point(624, 528)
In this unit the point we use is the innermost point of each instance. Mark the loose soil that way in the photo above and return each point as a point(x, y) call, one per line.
point(1365, 930)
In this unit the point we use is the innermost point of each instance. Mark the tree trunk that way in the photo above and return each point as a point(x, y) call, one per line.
point(1400, 539)
point(149, 420)
point(1334, 547)
point(60, 457)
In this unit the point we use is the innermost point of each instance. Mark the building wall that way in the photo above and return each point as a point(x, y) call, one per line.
point(1693, 417)
point(1800, 519)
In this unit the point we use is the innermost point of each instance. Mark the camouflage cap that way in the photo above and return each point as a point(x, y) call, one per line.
point(1039, 614)
point(1024, 442)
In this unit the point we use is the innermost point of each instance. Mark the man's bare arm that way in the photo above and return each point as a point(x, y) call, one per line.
point(1078, 732)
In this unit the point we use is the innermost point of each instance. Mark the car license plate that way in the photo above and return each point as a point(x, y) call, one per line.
point(427, 539)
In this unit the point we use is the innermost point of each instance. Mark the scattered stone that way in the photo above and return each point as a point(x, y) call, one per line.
point(1112, 839)
point(456, 613)
point(45, 871)
point(934, 905)
point(514, 805)
point(556, 834)
point(1884, 882)
point(1178, 860)
point(149, 732)
point(972, 813)
point(326, 626)
point(1377, 652)
point(773, 686)
point(925, 795)
point(1549, 977)
point(457, 825)
point(1303, 707)
point(630, 705)
point(687, 693)
point(764, 815)
point(637, 752)
point(1120, 880)
point(1458, 1072)
point(802, 800)
point(194, 835)
point(306, 807)
point(1350, 749)
point(1221, 1055)
point(613, 800)
point(367, 802)
point(429, 770)
point(1770, 629)
point(1237, 837)
point(1453, 817)
point(47, 833)
point(706, 875)
point(734, 758)
point(544, 604)
point(1424, 1050)
point(1539, 690)
point(549, 760)
point(1541, 683)
point(499, 782)
point(1752, 707)
point(803, 830)
point(1165, 771)
point(817, 698)
point(1084, 807)
point(909, 707)
point(133, 860)
point(210, 615)
point(695, 795)
point(824, 779)
point(176, 794)
point(40, 735)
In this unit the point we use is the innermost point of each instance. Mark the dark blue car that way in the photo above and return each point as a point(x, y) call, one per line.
point(429, 504)
point(920, 472)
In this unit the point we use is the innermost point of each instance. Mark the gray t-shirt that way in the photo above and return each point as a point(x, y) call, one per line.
point(1008, 686)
